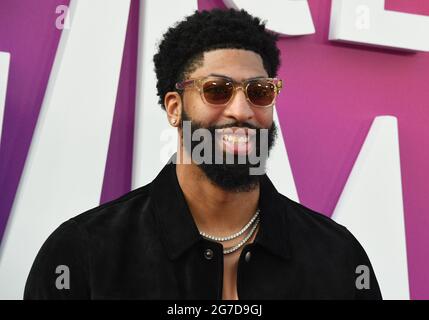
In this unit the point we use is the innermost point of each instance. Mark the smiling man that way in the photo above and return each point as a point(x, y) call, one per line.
point(211, 225)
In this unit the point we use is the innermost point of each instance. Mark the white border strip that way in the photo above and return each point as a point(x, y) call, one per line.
point(4, 73)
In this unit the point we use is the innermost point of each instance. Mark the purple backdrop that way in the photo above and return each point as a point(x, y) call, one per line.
point(28, 32)
point(117, 175)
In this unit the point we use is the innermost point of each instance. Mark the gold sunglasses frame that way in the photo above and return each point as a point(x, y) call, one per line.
point(243, 85)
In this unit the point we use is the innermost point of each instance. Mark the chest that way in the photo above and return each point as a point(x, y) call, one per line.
point(203, 272)
point(229, 289)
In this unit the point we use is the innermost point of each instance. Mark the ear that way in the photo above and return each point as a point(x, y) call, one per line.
point(173, 107)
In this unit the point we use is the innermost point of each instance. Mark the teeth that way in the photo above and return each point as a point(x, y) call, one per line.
point(235, 139)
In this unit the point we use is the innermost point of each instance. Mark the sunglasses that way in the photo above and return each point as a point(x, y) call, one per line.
point(219, 91)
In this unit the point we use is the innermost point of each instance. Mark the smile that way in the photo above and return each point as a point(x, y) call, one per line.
point(235, 138)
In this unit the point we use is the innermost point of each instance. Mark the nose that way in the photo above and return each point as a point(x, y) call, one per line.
point(239, 108)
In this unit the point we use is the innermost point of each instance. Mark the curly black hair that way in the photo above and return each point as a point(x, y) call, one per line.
point(183, 45)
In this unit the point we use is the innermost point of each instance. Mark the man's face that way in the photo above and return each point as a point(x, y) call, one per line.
point(236, 117)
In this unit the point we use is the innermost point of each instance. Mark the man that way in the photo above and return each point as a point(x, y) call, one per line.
point(211, 225)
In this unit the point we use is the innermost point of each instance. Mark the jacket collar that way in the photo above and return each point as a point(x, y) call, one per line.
point(179, 232)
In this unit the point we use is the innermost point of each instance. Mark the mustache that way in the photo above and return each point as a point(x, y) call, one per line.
point(213, 128)
point(236, 125)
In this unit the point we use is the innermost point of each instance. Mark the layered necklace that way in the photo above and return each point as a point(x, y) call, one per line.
point(252, 225)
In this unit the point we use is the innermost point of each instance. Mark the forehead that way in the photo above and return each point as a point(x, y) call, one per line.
point(237, 64)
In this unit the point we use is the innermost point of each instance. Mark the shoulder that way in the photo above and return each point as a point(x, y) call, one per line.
point(119, 213)
point(110, 215)
point(314, 230)
point(304, 219)
point(73, 245)
point(315, 235)
point(64, 250)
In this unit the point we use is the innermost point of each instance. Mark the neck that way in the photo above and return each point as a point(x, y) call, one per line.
point(215, 211)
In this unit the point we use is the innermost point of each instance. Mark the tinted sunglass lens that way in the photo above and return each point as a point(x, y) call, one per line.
point(218, 91)
point(261, 93)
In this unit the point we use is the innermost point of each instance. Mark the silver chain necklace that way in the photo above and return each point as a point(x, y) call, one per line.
point(242, 242)
point(255, 221)
point(233, 236)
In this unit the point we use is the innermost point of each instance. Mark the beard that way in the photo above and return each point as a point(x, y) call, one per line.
point(236, 176)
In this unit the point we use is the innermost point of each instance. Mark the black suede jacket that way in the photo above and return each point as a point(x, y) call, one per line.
point(145, 245)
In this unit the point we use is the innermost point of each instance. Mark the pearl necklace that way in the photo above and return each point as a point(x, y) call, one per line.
point(255, 221)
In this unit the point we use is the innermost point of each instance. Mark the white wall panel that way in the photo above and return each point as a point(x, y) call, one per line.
point(371, 207)
point(278, 167)
point(367, 22)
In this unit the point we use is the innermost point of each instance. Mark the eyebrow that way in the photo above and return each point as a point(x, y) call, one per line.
point(229, 78)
